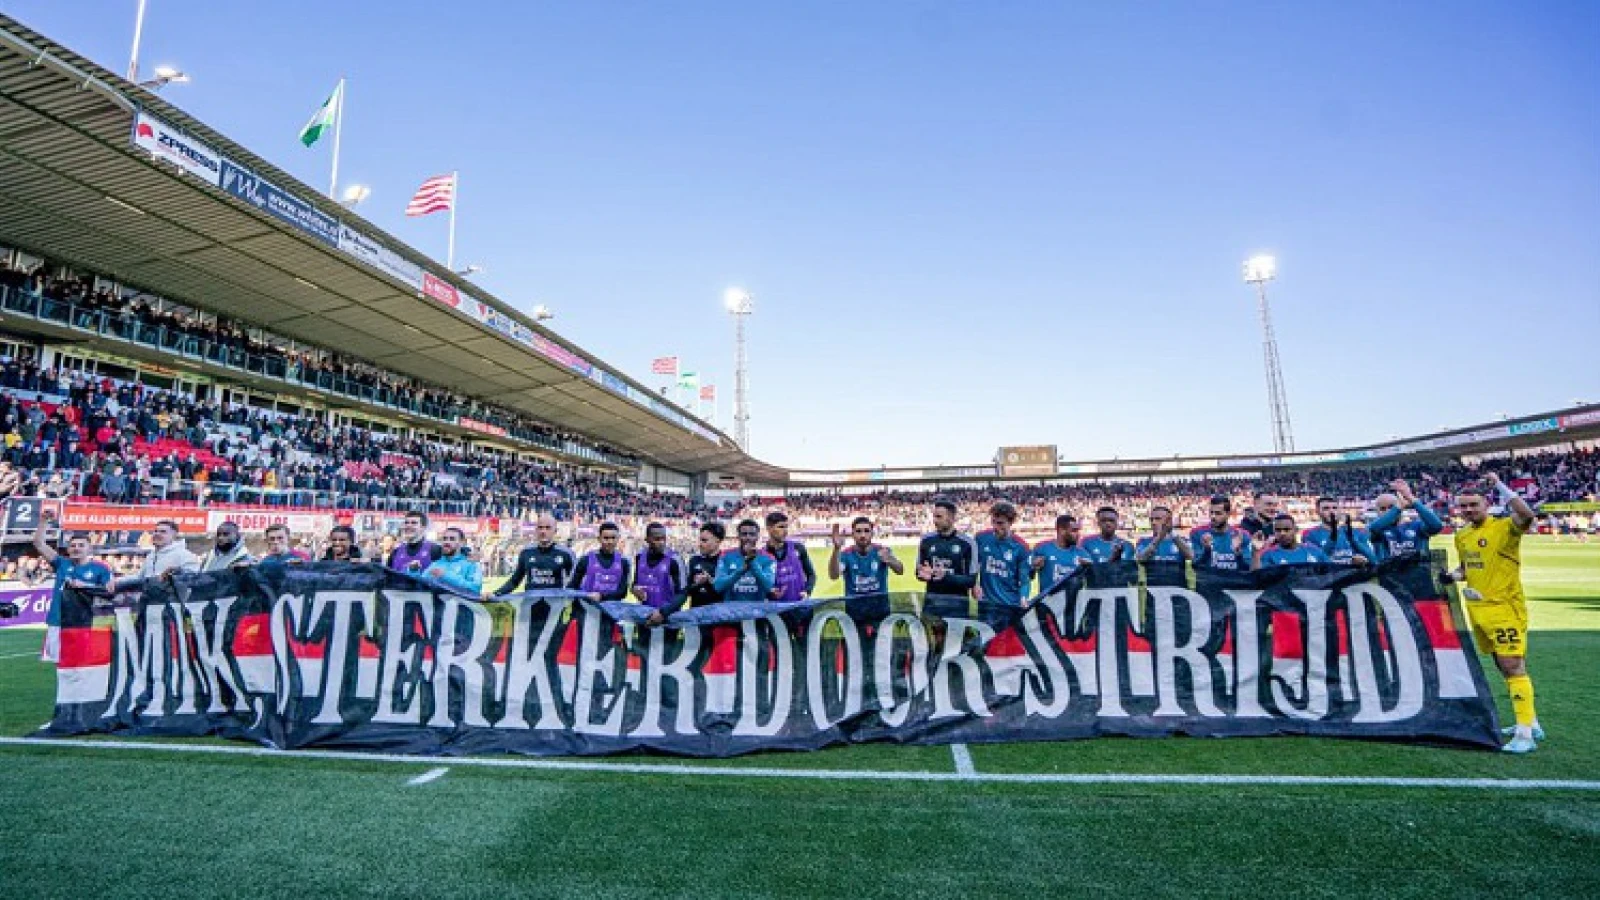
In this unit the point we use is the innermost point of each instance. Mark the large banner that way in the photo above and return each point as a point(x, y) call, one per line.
point(333, 655)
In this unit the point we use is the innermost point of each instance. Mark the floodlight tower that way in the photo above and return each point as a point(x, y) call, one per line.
point(1258, 270)
point(740, 305)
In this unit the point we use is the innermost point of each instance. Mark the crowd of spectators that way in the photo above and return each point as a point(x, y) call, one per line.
point(142, 319)
point(1547, 476)
point(127, 443)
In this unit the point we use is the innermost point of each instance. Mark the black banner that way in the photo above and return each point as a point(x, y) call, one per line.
point(332, 655)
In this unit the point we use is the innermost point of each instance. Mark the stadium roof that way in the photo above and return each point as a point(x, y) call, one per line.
point(75, 189)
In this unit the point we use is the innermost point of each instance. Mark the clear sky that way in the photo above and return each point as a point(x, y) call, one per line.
point(973, 224)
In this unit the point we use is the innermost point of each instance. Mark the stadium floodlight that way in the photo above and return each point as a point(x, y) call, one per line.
point(354, 194)
point(1258, 270)
point(469, 271)
point(165, 75)
point(740, 305)
point(542, 313)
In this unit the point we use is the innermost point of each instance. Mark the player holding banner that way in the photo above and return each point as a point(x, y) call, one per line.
point(865, 567)
point(1003, 569)
point(1491, 564)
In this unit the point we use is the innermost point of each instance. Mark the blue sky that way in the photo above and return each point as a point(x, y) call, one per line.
point(974, 224)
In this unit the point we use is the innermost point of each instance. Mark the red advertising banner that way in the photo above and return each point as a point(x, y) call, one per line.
point(440, 290)
point(101, 517)
point(480, 427)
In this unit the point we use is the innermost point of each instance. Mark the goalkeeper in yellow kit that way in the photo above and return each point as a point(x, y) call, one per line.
point(1491, 564)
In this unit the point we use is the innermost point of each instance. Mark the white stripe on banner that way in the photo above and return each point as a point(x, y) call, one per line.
point(689, 771)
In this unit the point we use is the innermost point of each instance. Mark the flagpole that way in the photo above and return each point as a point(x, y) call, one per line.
point(338, 130)
point(455, 198)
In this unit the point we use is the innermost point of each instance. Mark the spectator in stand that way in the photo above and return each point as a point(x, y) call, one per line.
point(75, 570)
point(227, 551)
point(455, 567)
point(10, 479)
point(342, 545)
point(168, 556)
point(414, 553)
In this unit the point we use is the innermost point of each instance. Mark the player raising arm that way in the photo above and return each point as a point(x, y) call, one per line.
point(865, 567)
point(1491, 563)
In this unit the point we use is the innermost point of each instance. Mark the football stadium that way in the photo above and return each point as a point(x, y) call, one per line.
point(328, 572)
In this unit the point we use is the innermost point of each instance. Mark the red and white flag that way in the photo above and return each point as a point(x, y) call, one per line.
point(436, 195)
point(708, 392)
point(664, 365)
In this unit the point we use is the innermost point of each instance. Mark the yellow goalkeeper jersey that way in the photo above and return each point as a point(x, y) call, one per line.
point(1491, 556)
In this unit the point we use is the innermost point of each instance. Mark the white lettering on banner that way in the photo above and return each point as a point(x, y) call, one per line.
point(1407, 668)
point(750, 677)
point(1168, 652)
point(399, 703)
point(166, 142)
point(658, 670)
point(141, 660)
point(1309, 673)
point(1110, 644)
point(211, 651)
point(440, 290)
point(337, 645)
point(891, 710)
point(597, 672)
point(450, 655)
point(1052, 677)
point(527, 665)
point(954, 656)
point(855, 677)
point(1247, 654)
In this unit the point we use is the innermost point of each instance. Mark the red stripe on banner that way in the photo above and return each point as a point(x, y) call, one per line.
point(307, 649)
point(502, 651)
point(567, 655)
point(366, 648)
point(1078, 645)
point(1006, 643)
point(1227, 636)
point(724, 658)
point(1439, 624)
point(84, 647)
point(252, 636)
point(1286, 640)
point(1137, 643)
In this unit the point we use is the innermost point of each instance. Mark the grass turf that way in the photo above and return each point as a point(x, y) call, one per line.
point(203, 825)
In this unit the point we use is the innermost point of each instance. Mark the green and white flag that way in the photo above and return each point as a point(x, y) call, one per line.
point(689, 380)
point(324, 118)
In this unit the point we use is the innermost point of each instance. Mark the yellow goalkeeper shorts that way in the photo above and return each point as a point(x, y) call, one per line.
point(1500, 626)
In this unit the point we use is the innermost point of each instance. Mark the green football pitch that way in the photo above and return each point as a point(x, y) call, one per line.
point(110, 819)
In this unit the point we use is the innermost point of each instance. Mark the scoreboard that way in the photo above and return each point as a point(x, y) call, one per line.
point(1034, 461)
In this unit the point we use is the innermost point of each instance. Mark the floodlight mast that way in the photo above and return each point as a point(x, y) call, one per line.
point(740, 305)
point(1258, 270)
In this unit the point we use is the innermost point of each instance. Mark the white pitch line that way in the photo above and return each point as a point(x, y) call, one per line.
point(430, 775)
point(679, 769)
point(963, 757)
point(34, 654)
